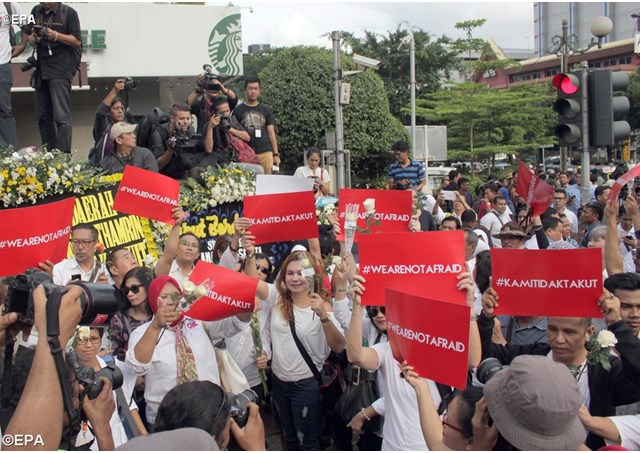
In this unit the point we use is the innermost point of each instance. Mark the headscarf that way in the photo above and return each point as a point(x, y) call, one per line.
point(156, 286)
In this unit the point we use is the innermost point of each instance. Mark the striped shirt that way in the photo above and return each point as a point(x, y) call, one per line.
point(414, 173)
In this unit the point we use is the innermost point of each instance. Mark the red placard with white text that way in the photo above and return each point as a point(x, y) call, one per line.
point(393, 209)
point(425, 263)
point(623, 181)
point(33, 235)
point(282, 217)
point(563, 283)
point(231, 293)
point(428, 334)
point(147, 194)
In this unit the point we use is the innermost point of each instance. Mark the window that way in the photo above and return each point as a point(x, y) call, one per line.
point(624, 60)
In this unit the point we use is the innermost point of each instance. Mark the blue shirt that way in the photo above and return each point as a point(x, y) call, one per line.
point(414, 173)
point(573, 190)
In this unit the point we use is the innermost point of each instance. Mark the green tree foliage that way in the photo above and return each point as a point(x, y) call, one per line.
point(633, 93)
point(482, 121)
point(298, 86)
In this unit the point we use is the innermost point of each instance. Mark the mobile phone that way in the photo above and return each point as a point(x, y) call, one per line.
point(449, 195)
point(76, 277)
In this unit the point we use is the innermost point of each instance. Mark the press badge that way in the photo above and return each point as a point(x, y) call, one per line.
point(258, 133)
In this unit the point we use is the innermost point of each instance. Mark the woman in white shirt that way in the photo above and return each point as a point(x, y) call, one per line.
point(314, 171)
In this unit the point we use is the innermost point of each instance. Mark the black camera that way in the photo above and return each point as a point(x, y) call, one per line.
point(42, 32)
point(185, 141)
point(29, 64)
point(209, 78)
point(98, 301)
point(239, 409)
point(225, 122)
point(91, 382)
point(488, 368)
point(130, 84)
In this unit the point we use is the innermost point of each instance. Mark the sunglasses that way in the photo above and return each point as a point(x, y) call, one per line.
point(135, 289)
point(374, 311)
point(264, 270)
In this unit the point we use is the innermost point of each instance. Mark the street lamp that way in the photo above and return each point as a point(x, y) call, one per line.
point(411, 42)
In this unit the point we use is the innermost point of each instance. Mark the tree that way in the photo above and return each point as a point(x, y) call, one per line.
point(298, 86)
point(633, 93)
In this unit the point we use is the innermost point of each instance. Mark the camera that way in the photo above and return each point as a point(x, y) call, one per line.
point(239, 409)
point(29, 64)
point(184, 141)
point(209, 78)
point(98, 301)
point(488, 368)
point(91, 382)
point(130, 84)
point(41, 31)
point(225, 122)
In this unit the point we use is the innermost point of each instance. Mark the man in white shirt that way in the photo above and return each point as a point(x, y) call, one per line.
point(494, 220)
point(560, 205)
point(83, 265)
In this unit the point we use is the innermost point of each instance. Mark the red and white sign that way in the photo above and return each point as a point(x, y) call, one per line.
point(230, 293)
point(33, 235)
point(431, 335)
point(147, 194)
point(623, 181)
point(563, 283)
point(533, 189)
point(282, 217)
point(426, 263)
point(393, 209)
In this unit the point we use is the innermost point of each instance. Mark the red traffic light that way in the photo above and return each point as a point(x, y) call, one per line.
point(567, 83)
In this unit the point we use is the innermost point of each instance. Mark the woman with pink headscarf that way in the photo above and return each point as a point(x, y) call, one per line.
point(171, 348)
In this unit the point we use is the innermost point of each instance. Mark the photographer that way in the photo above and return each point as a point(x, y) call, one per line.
point(202, 98)
point(57, 42)
point(217, 139)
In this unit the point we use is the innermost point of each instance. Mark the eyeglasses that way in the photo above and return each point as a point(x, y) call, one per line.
point(93, 340)
point(264, 270)
point(445, 422)
point(83, 243)
point(559, 198)
point(375, 311)
point(135, 289)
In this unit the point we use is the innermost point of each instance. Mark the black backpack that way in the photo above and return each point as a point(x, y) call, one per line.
point(148, 124)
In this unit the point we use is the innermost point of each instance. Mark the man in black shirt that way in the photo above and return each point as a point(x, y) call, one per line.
point(202, 98)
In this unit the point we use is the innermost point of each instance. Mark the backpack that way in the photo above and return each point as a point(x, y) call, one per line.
point(12, 32)
point(148, 124)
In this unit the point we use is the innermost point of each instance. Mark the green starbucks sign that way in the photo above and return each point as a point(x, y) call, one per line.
point(225, 46)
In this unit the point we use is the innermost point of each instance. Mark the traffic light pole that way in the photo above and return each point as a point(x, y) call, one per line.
point(586, 158)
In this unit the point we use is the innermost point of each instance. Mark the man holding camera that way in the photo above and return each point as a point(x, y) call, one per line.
point(57, 42)
point(201, 99)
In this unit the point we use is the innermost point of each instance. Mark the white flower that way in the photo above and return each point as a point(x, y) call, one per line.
point(369, 205)
point(83, 332)
point(337, 260)
point(305, 263)
point(606, 338)
point(188, 287)
point(149, 260)
point(200, 291)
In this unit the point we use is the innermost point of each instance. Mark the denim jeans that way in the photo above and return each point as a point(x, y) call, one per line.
point(298, 404)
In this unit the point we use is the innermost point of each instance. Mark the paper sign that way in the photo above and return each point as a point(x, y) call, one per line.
point(270, 184)
point(564, 283)
point(534, 190)
point(230, 293)
point(33, 235)
point(282, 217)
point(432, 336)
point(425, 263)
point(393, 209)
point(147, 194)
point(623, 181)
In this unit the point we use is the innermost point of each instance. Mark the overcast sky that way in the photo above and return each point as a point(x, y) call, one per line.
point(286, 24)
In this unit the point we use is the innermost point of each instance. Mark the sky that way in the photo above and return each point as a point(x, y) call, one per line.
point(281, 24)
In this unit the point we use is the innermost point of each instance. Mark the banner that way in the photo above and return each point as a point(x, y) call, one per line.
point(282, 217)
point(34, 235)
point(147, 194)
point(425, 263)
point(534, 190)
point(432, 336)
point(230, 293)
point(393, 209)
point(623, 181)
point(564, 283)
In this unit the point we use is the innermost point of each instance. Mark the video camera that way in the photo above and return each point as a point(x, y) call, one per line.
point(183, 141)
point(209, 78)
point(130, 84)
point(98, 300)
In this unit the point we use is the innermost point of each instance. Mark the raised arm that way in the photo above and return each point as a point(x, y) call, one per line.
point(163, 266)
point(357, 354)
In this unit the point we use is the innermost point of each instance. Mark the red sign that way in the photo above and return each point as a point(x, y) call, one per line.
point(623, 181)
point(428, 334)
point(33, 235)
point(282, 217)
point(147, 194)
point(229, 293)
point(533, 189)
point(393, 209)
point(564, 283)
point(425, 263)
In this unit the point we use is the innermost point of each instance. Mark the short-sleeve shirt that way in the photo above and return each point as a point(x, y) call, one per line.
point(139, 157)
point(253, 119)
point(414, 173)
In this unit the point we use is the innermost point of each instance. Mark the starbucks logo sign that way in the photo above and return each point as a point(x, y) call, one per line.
point(225, 46)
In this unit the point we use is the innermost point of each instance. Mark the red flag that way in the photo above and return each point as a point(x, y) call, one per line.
point(428, 333)
point(623, 181)
point(426, 263)
point(33, 235)
point(534, 190)
point(564, 283)
point(282, 216)
point(230, 292)
point(147, 194)
point(393, 209)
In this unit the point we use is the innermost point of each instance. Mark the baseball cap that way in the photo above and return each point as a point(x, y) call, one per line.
point(510, 229)
point(121, 128)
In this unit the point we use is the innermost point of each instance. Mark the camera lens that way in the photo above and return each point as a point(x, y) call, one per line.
point(98, 302)
point(487, 369)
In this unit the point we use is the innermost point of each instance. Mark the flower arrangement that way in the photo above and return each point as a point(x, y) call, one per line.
point(323, 214)
point(598, 352)
point(217, 185)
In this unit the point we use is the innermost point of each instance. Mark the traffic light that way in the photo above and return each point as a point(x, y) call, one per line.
point(569, 107)
point(604, 107)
